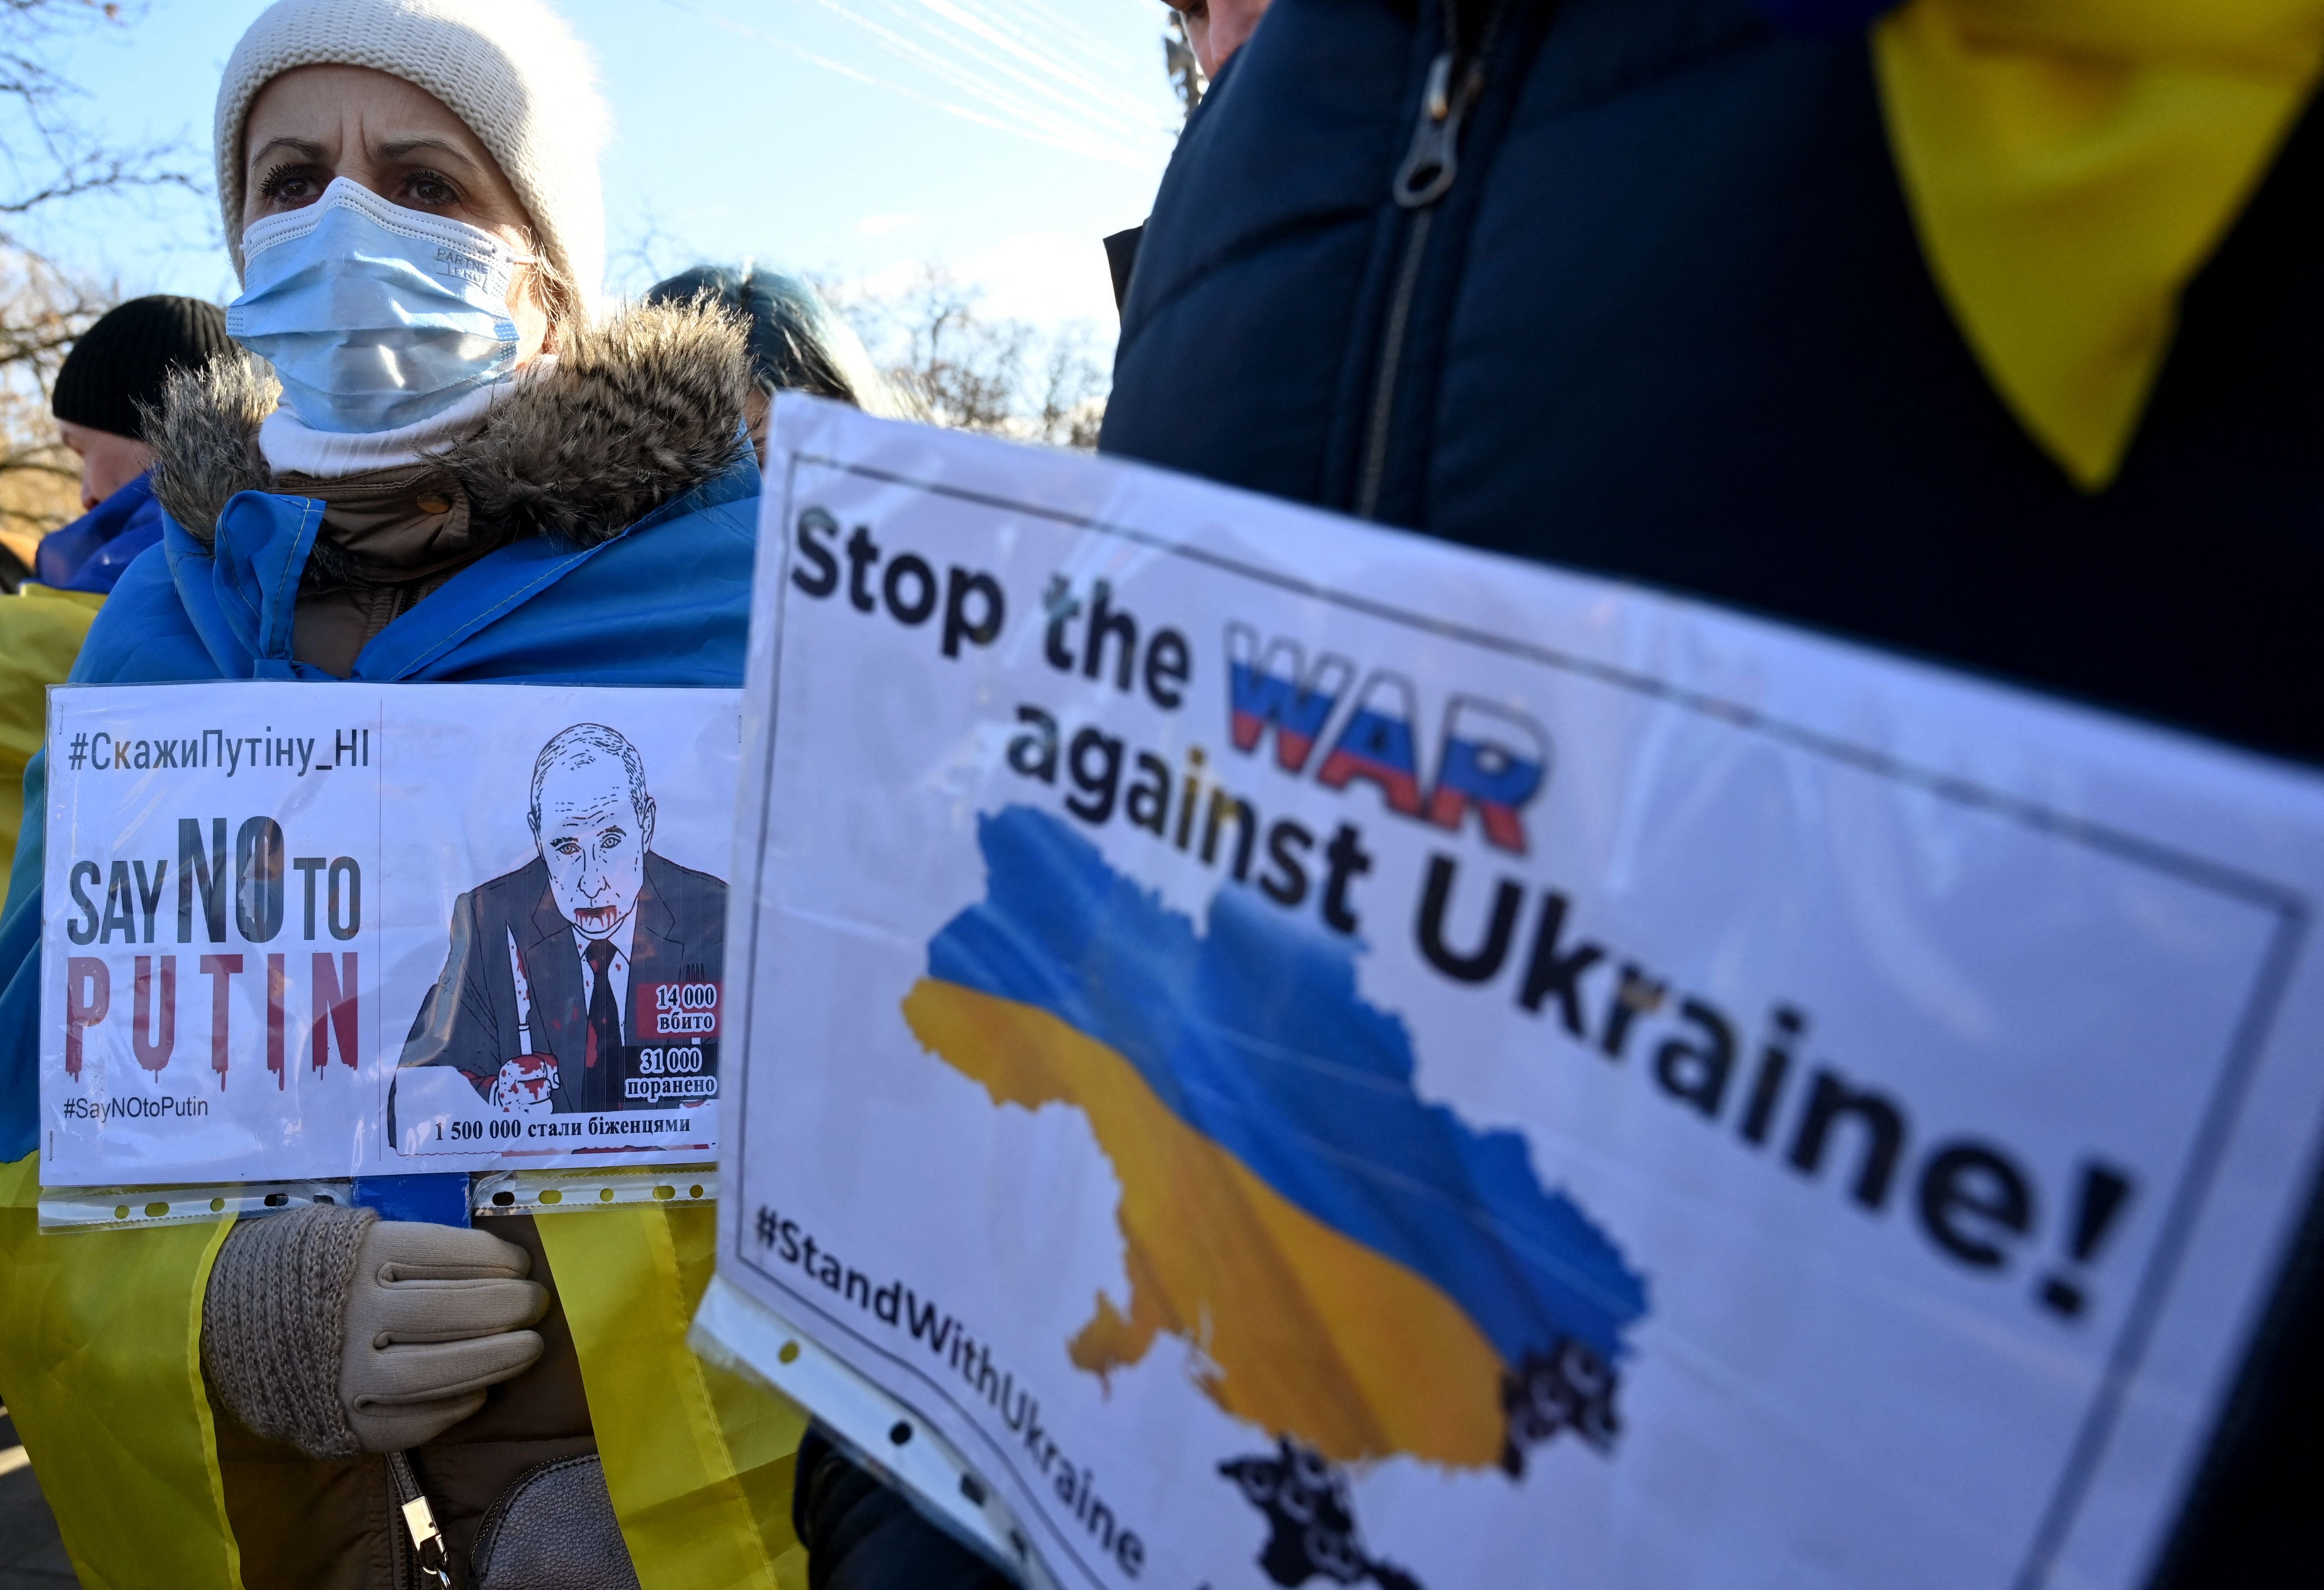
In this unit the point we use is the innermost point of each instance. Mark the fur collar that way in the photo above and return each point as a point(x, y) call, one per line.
point(637, 411)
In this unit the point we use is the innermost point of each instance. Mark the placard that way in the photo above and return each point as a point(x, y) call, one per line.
point(1312, 1056)
point(300, 932)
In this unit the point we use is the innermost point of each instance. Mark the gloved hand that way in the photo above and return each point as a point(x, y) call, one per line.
point(338, 1332)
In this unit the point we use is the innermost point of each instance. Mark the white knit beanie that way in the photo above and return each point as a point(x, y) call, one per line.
point(511, 69)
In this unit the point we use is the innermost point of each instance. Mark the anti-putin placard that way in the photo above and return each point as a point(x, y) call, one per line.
point(301, 932)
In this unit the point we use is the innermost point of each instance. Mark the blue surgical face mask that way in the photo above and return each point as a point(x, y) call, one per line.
point(374, 316)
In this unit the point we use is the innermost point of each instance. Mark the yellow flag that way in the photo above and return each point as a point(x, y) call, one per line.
point(41, 632)
point(100, 1364)
point(2070, 165)
point(699, 1461)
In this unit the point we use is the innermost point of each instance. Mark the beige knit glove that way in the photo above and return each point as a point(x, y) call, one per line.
point(338, 1332)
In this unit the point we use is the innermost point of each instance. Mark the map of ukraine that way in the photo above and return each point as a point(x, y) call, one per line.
point(1361, 1272)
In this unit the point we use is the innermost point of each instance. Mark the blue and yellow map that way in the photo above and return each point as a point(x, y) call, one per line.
point(1359, 1271)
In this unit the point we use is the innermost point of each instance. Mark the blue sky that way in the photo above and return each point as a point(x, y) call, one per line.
point(1001, 137)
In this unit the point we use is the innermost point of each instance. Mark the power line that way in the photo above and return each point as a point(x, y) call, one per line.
point(1021, 74)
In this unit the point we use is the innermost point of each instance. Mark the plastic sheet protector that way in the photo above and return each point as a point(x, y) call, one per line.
point(296, 931)
point(1310, 1056)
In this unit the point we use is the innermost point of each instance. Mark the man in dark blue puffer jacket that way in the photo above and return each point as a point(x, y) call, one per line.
point(1635, 287)
point(1668, 320)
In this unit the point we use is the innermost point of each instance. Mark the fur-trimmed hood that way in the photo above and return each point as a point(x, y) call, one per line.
point(636, 411)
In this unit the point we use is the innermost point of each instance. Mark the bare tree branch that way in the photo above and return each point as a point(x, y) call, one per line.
point(52, 157)
point(974, 369)
point(49, 159)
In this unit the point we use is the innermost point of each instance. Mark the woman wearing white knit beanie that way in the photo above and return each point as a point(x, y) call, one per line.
point(508, 489)
point(510, 71)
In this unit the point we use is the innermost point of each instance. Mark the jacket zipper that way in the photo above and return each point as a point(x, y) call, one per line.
point(430, 1562)
point(1432, 165)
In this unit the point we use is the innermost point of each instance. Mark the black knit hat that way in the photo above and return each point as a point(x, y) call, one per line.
point(125, 358)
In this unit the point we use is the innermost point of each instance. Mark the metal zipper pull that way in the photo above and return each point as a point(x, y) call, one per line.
point(1427, 174)
point(420, 1519)
point(1435, 160)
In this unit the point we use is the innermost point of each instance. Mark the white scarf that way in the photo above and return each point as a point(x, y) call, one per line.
point(289, 447)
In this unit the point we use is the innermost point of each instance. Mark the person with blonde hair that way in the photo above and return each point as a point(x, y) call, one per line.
point(447, 468)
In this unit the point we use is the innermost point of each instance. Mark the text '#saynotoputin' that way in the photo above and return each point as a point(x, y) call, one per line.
point(216, 750)
point(228, 900)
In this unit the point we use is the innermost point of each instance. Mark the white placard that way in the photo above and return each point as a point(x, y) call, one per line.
point(1310, 1056)
point(295, 931)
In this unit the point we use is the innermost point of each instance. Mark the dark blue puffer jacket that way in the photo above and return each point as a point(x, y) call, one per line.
point(1669, 321)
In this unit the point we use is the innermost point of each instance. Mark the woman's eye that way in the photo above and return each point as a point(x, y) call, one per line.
point(283, 186)
point(433, 190)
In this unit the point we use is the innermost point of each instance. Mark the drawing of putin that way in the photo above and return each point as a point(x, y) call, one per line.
point(563, 975)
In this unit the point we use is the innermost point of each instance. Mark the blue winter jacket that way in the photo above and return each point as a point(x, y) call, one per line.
point(91, 553)
point(537, 612)
point(1668, 319)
